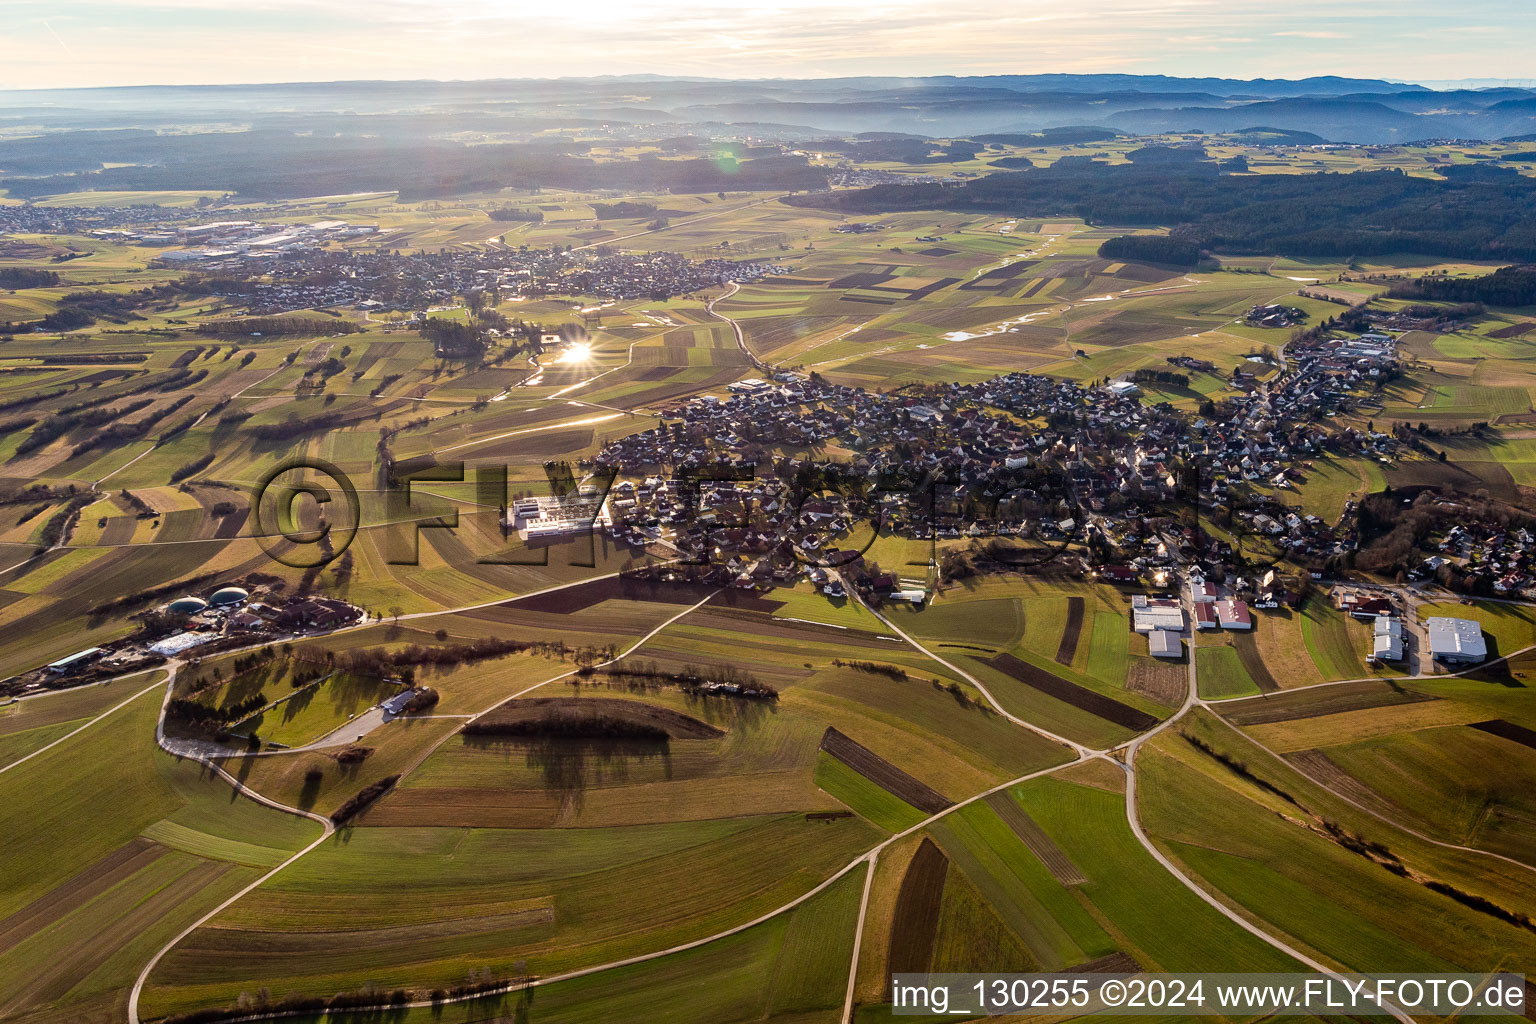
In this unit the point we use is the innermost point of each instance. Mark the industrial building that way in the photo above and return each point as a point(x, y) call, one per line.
point(1234, 614)
point(1456, 641)
point(174, 645)
point(1150, 614)
point(550, 517)
point(1165, 643)
point(74, 661)
point(1387, 643)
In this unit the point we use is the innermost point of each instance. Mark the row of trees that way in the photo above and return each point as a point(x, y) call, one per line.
point(570, 723)
point(693, 677)
point(194, 714)
point(280, 325)
point(56, 426)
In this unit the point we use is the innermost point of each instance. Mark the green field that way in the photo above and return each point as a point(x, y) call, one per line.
point(310, 713)
point(1351, 820)
point(122, 858)
point(1335, 652)
point(1221, 674)
point(559, 899)
point(792, 967)
point(1289, 869)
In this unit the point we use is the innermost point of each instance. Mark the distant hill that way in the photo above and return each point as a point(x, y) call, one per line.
point(883, 109)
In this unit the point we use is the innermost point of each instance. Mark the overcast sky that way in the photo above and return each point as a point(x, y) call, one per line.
point(62, 43)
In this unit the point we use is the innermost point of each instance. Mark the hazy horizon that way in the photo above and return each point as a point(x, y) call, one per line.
point(77, 44)
point(1433, 84)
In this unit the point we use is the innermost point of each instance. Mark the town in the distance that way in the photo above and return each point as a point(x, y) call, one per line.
point(641, 549)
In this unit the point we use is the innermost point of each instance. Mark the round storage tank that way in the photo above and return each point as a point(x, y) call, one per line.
point(229, 595)
point(186, 605)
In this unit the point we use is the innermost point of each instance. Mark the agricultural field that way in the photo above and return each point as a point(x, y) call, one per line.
point(1302, 858)
point(750, 729)
point(167, 842)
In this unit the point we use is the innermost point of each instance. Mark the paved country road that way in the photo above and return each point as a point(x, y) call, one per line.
point(1122, 755)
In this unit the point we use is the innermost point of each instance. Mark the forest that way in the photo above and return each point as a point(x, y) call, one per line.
point(1335, 215)
point(1507, 286)
point(1151, 249)
point(269, 164)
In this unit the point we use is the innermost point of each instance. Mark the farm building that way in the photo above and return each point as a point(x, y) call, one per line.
point(1234, 614)
point(1372, 608)
point(1149, 614)
point(1387, 643)
point(174, 645)
point(915, 596)
point(74, 661)
point(396, 705)
point(1456, 641)
point(316, 612)
point(1165, 643)
point(1205, 615)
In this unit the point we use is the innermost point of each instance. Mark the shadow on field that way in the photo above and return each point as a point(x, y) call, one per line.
point(570, 766)
point(311, 791)
point(1505, 673)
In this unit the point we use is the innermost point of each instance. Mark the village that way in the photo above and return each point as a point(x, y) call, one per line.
point(1021, 456)
point(293, 270)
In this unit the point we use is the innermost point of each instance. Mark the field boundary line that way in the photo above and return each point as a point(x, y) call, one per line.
point(512, 986)
point(327, 829)
point(86, 725)
point(1081, 750)
point(1421, 678)
point(1362, 807)
point(328, 826)
point(1133, 818)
